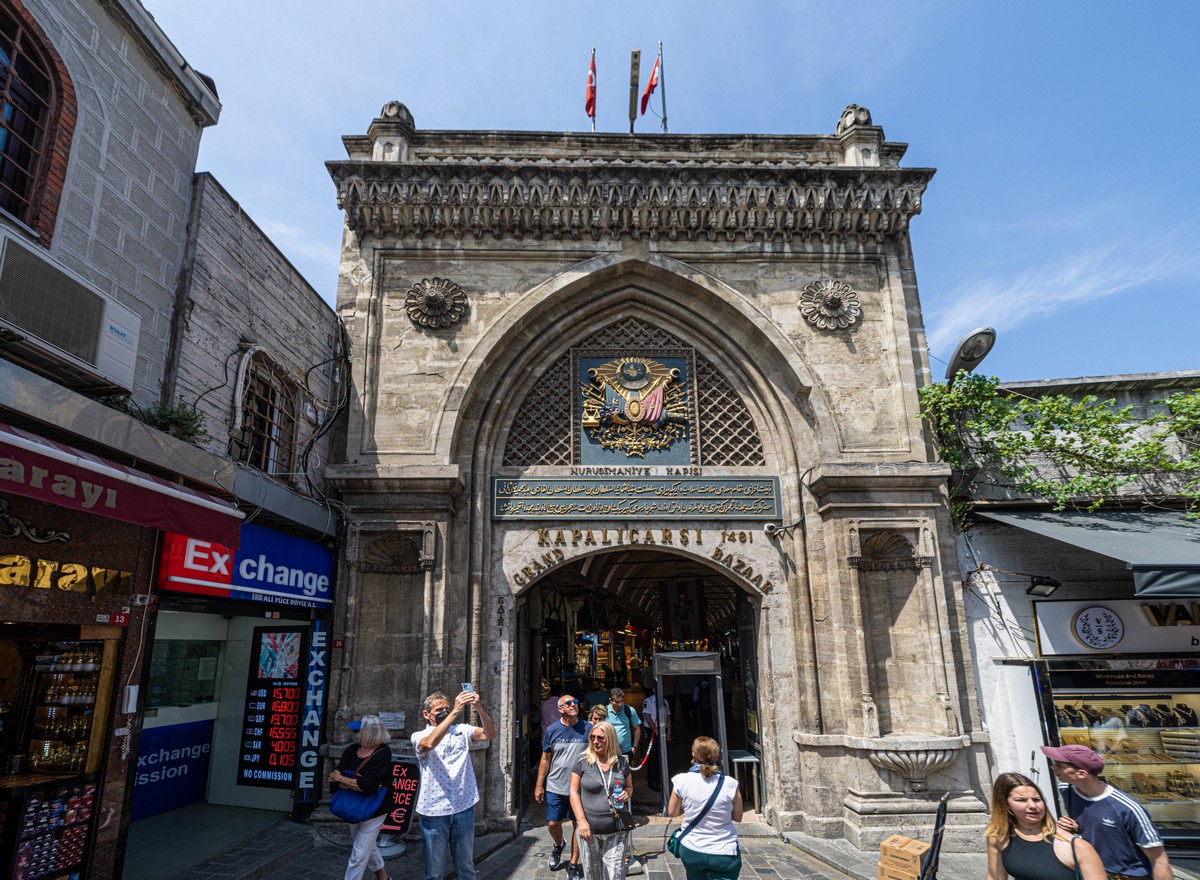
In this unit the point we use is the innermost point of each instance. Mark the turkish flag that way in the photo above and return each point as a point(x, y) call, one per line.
point(651, 85)
point(589, 94)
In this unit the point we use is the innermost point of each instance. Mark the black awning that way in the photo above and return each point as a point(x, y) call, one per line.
point(1160, 547)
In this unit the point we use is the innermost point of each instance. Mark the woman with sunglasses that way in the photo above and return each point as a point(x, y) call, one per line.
point(600, 770)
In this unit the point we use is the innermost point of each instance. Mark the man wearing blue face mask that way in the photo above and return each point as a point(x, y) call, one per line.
point(446, 803)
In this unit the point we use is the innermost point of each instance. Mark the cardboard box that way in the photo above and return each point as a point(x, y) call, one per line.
point(891, 872)
point(904, 853)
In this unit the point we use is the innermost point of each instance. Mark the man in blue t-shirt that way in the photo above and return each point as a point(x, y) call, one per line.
point(625, 719)
point(564, 742)
point(1107, 818)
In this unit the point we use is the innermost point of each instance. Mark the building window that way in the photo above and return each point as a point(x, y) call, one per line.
point(267, 439)
point(37, 120)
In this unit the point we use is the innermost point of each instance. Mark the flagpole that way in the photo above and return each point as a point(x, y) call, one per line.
point(635, 64)
point(595, 91)
point(662, 84)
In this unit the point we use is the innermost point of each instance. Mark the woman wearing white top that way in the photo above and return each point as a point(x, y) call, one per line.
point(709, 850)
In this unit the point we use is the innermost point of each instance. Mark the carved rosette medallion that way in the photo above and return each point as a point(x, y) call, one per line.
point(435, 303)
point(914, 765)
point(830, 305)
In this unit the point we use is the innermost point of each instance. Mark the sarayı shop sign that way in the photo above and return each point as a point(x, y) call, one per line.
point(269, 566)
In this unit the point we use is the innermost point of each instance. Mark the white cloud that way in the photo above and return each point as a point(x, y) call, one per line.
point(1005, 302)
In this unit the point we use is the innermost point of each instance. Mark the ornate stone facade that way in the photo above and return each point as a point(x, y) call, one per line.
point(657, 284)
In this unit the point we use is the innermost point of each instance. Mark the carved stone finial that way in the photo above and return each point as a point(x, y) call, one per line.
point(830, 305)
point(394, 110)
point(852, 117)
point(435, 303)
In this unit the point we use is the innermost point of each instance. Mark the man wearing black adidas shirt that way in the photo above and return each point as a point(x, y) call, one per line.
point(1107, 818)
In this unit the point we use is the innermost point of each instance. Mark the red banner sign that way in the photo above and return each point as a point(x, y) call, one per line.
point(58, 474)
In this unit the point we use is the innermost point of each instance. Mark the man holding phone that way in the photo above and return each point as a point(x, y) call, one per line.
point(446, 803)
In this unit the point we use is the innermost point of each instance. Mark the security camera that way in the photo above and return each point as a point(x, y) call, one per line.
point(771, 529)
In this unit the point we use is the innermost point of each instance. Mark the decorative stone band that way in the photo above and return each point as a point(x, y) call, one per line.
point(613, 201)
point(913, 758)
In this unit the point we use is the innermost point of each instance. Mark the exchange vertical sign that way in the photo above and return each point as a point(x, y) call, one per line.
point(271, 722)
point(307, 790)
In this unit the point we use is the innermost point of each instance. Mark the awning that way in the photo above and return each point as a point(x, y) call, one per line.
point(59, 474)
point(1160, 547)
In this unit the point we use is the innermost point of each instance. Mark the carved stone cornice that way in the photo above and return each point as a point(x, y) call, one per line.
point(611, 198)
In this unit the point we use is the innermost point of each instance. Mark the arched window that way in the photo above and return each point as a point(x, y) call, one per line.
point(37, 119)
point(267, 438)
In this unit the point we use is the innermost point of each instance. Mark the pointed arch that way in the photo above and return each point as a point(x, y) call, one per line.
point(762, 364)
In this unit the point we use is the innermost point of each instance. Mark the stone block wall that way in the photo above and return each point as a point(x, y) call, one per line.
point(122, 217)
point(240, 291)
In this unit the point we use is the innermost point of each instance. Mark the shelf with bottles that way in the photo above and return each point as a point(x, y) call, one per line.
point(68, 689)
point(75, 657)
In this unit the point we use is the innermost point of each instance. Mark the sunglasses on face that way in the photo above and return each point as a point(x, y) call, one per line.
point(599, 739)
point(567, 703)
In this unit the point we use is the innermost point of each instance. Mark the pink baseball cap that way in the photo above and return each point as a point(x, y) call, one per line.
point(1081, 756)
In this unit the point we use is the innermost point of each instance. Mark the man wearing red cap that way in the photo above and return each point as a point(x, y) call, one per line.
point(1107, 818)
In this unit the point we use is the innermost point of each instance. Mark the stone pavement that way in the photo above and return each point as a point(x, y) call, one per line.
point(318, 851)
point(307, 852)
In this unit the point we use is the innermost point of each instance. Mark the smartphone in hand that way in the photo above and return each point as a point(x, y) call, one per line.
point(468, 687)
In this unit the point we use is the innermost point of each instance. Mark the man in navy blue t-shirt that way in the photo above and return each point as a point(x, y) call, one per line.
point(564, 742)
point(1107, 818)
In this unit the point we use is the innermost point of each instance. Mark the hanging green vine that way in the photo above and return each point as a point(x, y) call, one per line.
point(1072, 452)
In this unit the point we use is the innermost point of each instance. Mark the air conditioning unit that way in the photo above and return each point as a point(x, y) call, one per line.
point(55, 323)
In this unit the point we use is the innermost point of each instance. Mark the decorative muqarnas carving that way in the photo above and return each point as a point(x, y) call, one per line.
point(915, 765)
point(401, 553)
point(830, 305)
point(435, 303)
point(888, 551)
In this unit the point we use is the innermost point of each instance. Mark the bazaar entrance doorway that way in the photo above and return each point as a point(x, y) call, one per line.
point(596, 623)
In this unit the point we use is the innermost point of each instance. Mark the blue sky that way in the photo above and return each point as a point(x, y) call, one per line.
point(1065, 211)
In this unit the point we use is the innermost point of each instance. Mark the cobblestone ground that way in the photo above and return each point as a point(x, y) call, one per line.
point(318, 852)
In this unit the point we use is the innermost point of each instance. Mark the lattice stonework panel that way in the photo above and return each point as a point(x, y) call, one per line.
point(728, 435)
point(541, 432)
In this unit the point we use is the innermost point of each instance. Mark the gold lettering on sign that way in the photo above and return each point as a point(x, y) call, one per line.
point(555, 537)
point(537, 566)
point(743, 568)
point(1173, 614)
point(70, 577)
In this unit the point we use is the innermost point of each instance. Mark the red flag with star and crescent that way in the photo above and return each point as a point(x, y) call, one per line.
point(589, 95)
point(651, 85)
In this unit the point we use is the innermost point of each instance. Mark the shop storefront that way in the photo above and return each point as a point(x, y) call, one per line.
point(236, 680)
point(78, 540)
point(1122, 676)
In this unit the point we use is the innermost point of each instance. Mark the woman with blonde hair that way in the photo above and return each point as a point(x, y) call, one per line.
point(600, 780)
point(1024, 842)
point(598, 713)
point(364, 767)
point(710, 803)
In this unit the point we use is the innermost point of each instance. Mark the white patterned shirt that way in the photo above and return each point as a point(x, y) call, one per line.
point(447, 777)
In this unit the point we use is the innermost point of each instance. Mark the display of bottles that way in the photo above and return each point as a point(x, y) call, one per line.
point(66, 690)
point(76, 661)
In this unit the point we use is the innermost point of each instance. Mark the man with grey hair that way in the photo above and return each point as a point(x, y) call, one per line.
point(446, 803)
